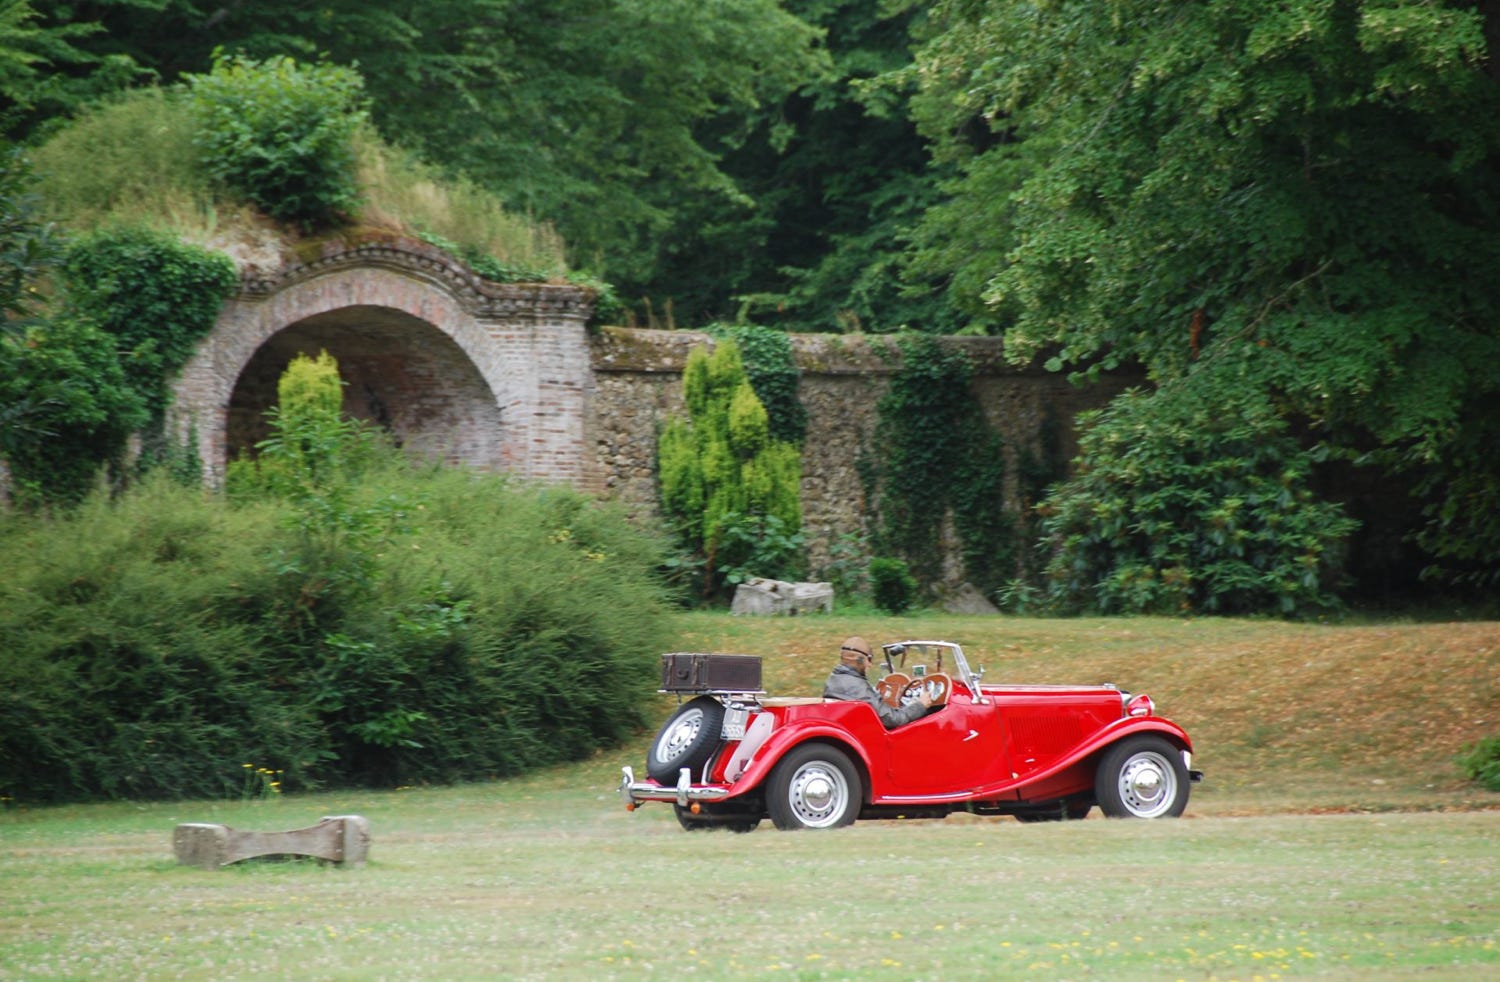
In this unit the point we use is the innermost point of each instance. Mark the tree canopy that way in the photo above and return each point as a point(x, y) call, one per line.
point(1294, 202)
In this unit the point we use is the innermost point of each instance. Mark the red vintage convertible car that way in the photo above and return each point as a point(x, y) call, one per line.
point(729, 758)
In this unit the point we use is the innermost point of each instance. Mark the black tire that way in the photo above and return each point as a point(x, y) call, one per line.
point(815, 786)
point(1062, 811)
point(1142, 777)
point(688, 739)
point(707, 819)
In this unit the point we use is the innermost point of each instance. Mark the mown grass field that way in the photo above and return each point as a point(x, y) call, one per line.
point(1333, 838)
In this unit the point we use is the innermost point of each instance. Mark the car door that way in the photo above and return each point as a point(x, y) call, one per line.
point(957, 748)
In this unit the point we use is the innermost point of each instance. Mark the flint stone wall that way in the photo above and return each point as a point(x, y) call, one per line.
point(637, 378)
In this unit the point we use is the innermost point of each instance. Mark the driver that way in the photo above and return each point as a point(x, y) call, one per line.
point(848, 681)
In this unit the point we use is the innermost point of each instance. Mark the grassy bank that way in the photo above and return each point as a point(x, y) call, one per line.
point(548, 877)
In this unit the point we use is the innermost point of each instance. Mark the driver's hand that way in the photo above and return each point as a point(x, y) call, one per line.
point(925, 698)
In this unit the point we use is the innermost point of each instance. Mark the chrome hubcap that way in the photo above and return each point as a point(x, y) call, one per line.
point(677, 737)
point(1148, 785)
point(819, 795)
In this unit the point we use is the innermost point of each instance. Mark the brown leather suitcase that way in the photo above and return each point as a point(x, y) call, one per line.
point(685, 671)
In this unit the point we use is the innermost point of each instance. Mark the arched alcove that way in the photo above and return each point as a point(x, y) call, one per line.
point(456, 368)
point(400, 374)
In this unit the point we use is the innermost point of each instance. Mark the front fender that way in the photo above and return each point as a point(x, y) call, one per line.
point(1114, 733)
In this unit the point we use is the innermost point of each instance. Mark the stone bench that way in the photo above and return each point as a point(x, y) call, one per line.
point(343, 839)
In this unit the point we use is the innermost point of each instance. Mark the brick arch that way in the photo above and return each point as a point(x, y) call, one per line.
point(490, 375)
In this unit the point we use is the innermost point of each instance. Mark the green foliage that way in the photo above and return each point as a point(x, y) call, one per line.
point(28, 245)
point(609, 119)
point(314, 459)
point(282, 134)
point(771, 366)
point(749, 545)
point(720, 470)
point(834, 180)
point(32, 51)
point(399, 190)
point(156, 295)
point(153, 643)
point(76, 385)
point(1481, 762)
point(68, 406)
point(892, 586)
point(486, 265)
point(939, 457)
point(65, 404)
point(1294, 192)
point(1182, 505)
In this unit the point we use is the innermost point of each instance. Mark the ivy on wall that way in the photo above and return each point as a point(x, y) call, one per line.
point(939, 457)
point(771, 367)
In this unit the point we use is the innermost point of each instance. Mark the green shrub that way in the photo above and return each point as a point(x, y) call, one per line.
point(1481, 762)
point(153, 644)
point(721, 470)
point(892, 586)
point(771, 367)
point(1180, 504)
point(67, 406)
point(282, 134)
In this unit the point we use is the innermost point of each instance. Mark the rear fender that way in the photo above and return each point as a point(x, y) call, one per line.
point(784, 738)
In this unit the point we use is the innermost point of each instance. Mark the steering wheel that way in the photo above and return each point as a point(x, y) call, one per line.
point(936, 686)
point(891, 688)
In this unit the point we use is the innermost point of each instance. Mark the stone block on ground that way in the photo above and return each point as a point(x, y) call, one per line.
point(342, 839)
point(779, 598)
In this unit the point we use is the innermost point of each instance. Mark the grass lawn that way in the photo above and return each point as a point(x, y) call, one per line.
point(1332, 838)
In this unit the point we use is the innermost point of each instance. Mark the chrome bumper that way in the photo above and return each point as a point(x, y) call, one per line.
point(634, 792)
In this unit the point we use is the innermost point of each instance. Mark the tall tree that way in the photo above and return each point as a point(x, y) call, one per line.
point(1297, 201)
point(585, 113)
point(832, 189)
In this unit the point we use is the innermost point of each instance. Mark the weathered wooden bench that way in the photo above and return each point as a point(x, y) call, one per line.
point(343, 839)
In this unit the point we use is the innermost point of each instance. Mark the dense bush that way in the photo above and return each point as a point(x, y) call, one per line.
point(1481, 762)
point(151, 646)
point(282, 134)
point(771, 367)
point(1184, 505)
point(892, 586)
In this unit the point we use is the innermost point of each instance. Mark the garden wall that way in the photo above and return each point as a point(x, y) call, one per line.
point(637, 384)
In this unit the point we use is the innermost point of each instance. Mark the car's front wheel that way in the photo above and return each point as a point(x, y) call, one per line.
point(814, 786)
point(688, 739)
point(1142, 777)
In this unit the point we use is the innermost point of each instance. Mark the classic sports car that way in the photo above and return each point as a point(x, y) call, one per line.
point(730, 756)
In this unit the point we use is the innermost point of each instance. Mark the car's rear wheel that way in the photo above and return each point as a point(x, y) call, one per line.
point(687, 739)
point(814, 786)
point(734, 822)
point(1142, 777)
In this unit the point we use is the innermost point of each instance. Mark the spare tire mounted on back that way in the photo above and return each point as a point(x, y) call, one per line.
point(688, 739)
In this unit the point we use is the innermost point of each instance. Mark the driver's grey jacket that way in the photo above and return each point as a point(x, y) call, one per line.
point(850, 684)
